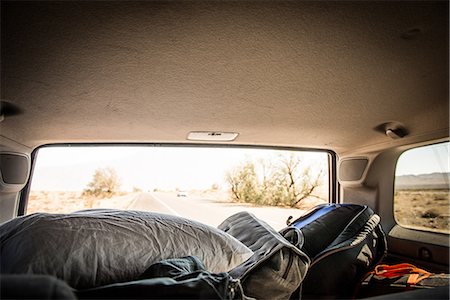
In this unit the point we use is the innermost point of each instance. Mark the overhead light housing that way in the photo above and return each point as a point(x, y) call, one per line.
point(393, 129)
point(395, 133)
point(212, 136)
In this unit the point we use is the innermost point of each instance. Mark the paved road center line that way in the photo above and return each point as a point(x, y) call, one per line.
point(165, 205)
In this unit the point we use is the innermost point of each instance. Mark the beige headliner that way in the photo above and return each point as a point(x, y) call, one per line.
point(320, 74)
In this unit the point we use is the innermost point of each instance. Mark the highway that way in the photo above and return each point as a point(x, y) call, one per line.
point(208, 211)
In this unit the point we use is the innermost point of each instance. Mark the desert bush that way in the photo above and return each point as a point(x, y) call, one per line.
point(281, 182)
point(137, 190)
point(105, 183)
point(243, 183)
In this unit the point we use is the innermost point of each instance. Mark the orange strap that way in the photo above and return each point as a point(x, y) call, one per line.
point(414, 279)
point(415, 274)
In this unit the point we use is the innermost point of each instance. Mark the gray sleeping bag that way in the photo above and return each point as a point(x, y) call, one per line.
point(98, 247)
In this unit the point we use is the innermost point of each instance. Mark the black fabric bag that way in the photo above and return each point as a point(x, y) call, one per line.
point(345, 242)
point(276, 268)
point(31, 286)
point(180, 278)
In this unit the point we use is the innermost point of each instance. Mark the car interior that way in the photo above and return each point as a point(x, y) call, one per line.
point(366, 83)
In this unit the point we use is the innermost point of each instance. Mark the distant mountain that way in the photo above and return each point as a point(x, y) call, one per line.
point(423, 181)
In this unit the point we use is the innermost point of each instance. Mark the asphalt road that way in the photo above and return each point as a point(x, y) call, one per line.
point(208, 211)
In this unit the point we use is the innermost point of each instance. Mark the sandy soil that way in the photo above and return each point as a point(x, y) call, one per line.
point(66, 202)
point(224, 196)
point(423, 209)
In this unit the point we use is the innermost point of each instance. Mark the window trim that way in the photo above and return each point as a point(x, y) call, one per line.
point(332, 183)
point(400, 230)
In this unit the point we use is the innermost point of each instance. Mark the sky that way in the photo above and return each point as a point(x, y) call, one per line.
point(168, 168)
point(424, 160)
point(148, 167)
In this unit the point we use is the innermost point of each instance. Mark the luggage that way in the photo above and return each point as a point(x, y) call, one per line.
point(344, 242)
point(31, 286)
point(274, 271)
point(177, 278)
point(277, 266)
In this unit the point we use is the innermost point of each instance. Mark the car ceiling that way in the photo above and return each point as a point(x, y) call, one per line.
point(309, 74)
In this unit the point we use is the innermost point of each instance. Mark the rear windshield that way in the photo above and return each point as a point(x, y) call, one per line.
point(204, 184)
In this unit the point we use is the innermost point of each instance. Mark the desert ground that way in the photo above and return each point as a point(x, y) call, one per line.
point(419, 209)
point(423, 209)
point(65, 202)
point(209, 207)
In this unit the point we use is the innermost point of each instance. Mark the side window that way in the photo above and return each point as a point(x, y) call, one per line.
point(421, 199)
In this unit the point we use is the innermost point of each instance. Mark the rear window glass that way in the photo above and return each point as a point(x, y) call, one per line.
point(204, 184)
point(422, 198)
